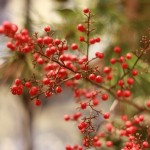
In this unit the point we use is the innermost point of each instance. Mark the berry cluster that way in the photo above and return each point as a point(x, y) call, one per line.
point(60, 63)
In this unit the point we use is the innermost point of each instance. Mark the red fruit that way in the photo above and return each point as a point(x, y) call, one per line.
point(119, 93)
point(92, 41)
point(83, 105)
point(127, 93)
point(104, 97)
point(58, 89)
point(7, 25)
point(40, 40)
point(57, 41)
point(95, 102)
point(148, 103)
point(113, 60)
point(68, 147)
point(40, 61)
point(46, 81)
point(82, 38)
point(81, 28)
point(28, 84)
point(33, 91)
point(124, 65)
point(120, 82)
point(145, 144)
point(134, 72)
point(97, 39)
point(128, 55)
point(77, 76)
point(106, 115)
point(109, 143)
point(1, 29)
point(86, 10)
point(74, 46)
point(17, 82)
point(47, 29)
point(98, 79)
point(107, 70)
point(37, 102)
point(130, 81)
point(92, 76)
point(99, 55)
point(117, 49)
point(66, 117)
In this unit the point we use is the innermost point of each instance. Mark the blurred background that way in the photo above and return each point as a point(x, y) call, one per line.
point(24, 126)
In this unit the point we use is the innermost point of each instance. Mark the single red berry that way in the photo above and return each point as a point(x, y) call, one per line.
point(40, 40)
point(128, 55)
point(107, 70)
point(124, 65)
point(58, 89)
point(17, 82)
point(33, 90)
point(47, 29)
point(37, 102)
point(120, 82)
point(66, 117)
point(57, 41)
point(104, 97)
point(109, 143)
point(145, 144)
point(81, 28)
point(113, 60)
point(95, 101)
point(28, 84)
point(40, 61)
point(86, 10)
point(98, 79)
point(134, 72)
point(117, 49)
point(83, 105)
point(127, 93)
point(77, 76)
point(130, 81)
point(97, 39)
point(74, 46)
point(148, 103)
point(92, 76)
point(92, 41)
point(106, 115)
point(82, 38)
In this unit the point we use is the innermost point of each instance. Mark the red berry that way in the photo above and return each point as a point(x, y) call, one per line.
point(107, 70)
point(57, 41)
point(82, 38)
point(37, 102)
point(83, 105)
point(99, 55)
point(130, 81)
point(81, 28)
point(98, 79)
point(97, 39)
point(117, 49)
point(92, 76)
point(58, 89)
point(134, 72)
point(33, 91)
point(95, 102)
point(145, 144)
point(148, 103)
point(28, 84)
point(66, 117)
point(47, 29)
point(77, 76)
point(74, 46)
point(104, 97)
point(92, 41)
point(109, 143)
point(113, 60)
point(86, 10)
point(17, 82)
point(106, 115)
point(128, 55)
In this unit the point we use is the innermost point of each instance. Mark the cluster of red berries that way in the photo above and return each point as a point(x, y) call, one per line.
point(58, 67)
